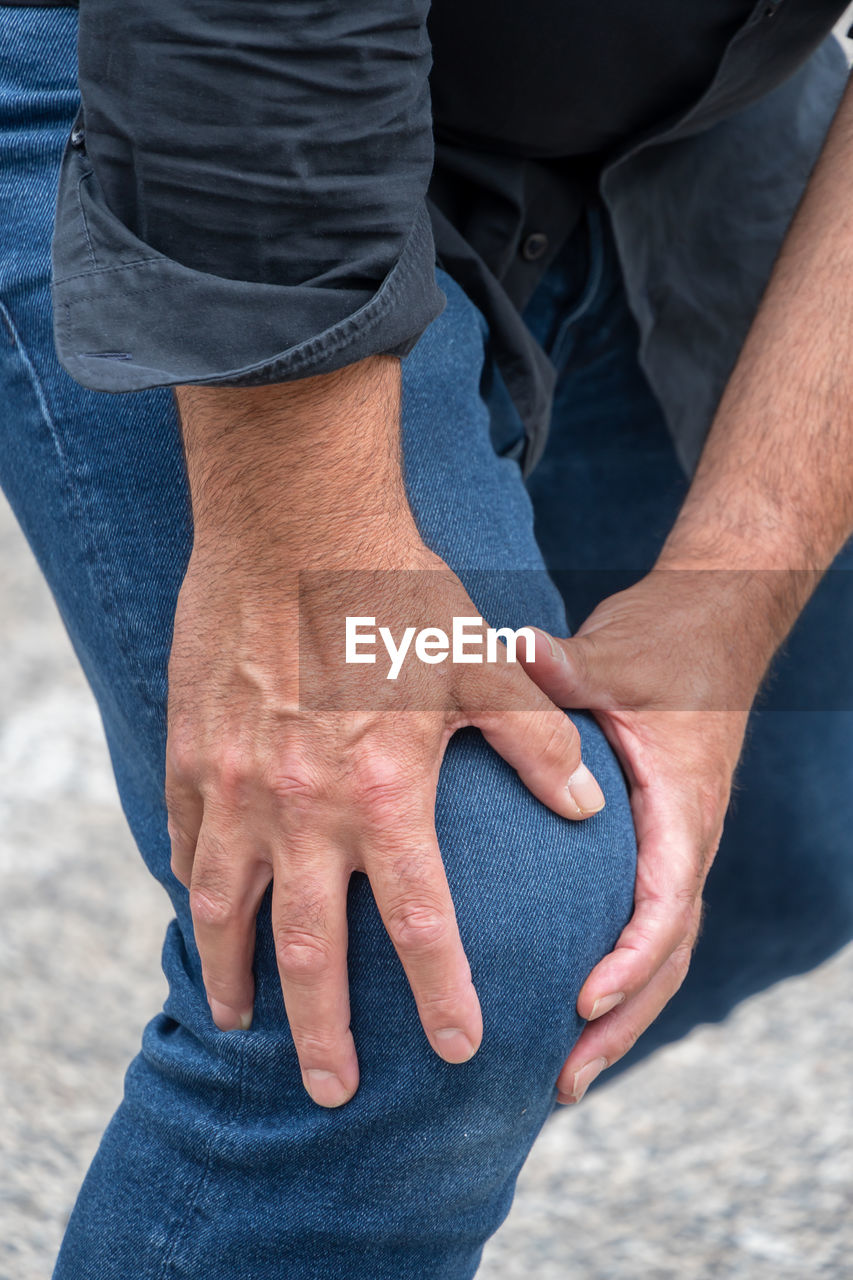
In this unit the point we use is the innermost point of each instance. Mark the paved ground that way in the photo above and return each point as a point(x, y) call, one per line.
point(728, 1155)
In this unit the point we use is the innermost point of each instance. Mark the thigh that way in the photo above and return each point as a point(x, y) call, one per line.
point(779, 898)
point(217, 1163)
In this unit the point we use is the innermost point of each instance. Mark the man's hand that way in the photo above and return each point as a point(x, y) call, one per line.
point(658, 668)
point(284, 480)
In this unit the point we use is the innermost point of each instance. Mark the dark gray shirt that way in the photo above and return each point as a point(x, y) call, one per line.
point(255, 192)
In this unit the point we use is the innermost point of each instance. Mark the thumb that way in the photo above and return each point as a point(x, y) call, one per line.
point(573, 673)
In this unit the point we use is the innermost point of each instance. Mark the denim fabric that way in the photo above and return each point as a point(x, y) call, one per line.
point(217, 1163)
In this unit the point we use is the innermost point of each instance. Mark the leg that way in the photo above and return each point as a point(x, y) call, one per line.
point(217, 1164)
point(780, 895)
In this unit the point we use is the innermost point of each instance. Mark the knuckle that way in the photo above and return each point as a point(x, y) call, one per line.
point(441, 1010)
point(417, 926)
point(301, 954)
point(384, 792)
point(559, 740)
point(224, 986)
point(685, 917)
point(625, 1041)
point(292, 783)
point(232, 773)
point(181, 757)
point(316, 1046)
point(180, 838)
point(674, 918)
point(379, 776)
point(211, 907)
point(179, 870)
point(680, 960)
point(570, 739)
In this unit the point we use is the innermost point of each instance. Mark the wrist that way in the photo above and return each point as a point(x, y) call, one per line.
point(748, 612)
point(761, 576)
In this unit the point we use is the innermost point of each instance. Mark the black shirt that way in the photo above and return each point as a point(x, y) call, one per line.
point(517, 79)
point(541, 79)
point(274, 167)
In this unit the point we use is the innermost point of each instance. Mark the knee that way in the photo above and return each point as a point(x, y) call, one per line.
point(539, 899)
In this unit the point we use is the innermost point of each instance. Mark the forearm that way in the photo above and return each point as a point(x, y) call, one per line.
point(773, 493)
point(313, 464)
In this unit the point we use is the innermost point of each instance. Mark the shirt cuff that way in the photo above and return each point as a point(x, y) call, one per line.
point(127, 318)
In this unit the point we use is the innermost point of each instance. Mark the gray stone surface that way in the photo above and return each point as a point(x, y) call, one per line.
point(727, 1155)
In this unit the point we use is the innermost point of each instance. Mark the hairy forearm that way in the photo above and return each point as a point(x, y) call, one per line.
point(774, 487)
point(772, 500)
point(314, 464)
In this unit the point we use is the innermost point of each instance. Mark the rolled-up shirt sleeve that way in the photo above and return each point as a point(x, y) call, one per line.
point(241, 198)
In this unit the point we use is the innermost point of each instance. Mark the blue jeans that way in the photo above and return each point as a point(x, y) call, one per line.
point(217, 1164)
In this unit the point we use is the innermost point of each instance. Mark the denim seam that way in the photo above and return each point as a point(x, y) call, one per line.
point(101, 588)
point(41, 398)
point(183, 1227)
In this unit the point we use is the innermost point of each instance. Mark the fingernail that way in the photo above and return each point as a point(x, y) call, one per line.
point(605, 1003)
point(454, 1045)
point(583, 1079)
point(556, 649)
point(585, 791)
point(325, 1087)
point(228, 1019)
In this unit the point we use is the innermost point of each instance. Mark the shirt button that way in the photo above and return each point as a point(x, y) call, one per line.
point(78, 137)
point(534, 246)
